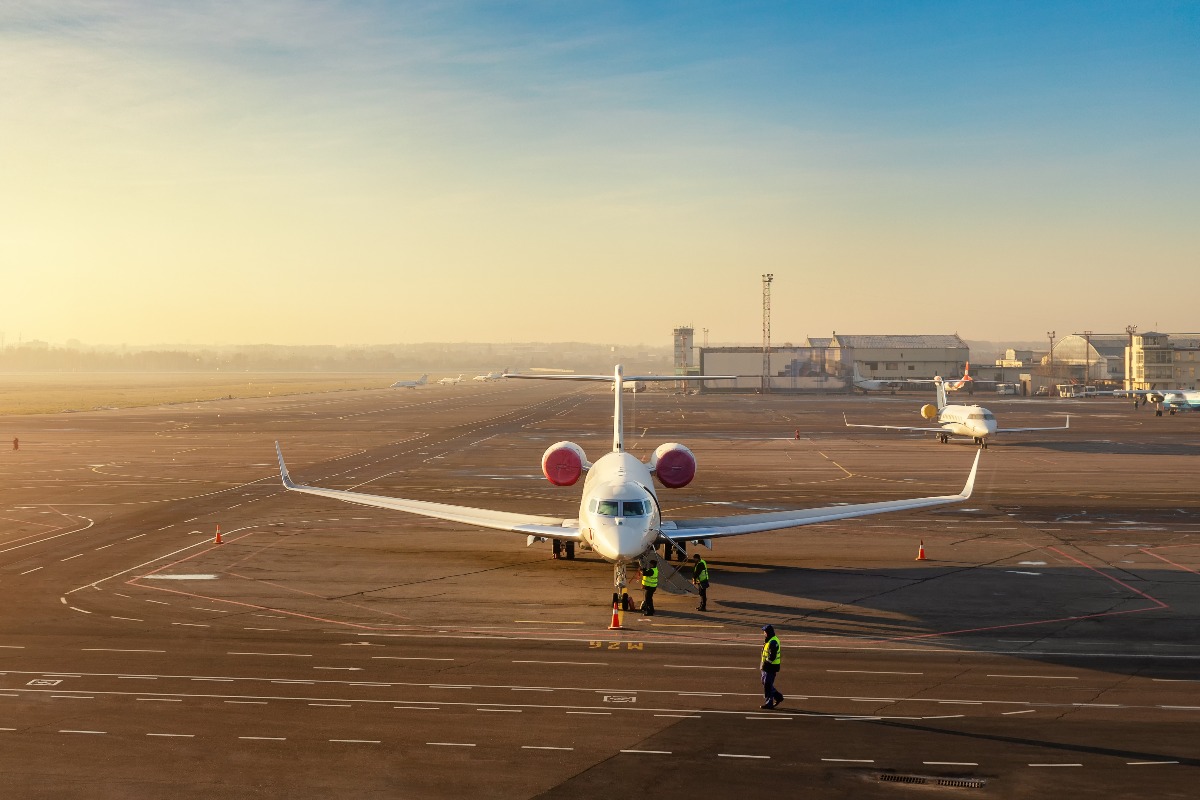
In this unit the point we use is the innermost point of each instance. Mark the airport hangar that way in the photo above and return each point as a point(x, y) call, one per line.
point(822, 364)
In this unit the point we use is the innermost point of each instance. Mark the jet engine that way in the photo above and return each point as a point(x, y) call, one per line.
point(674, 465)
point(1156, 397)
point(929, 411)
point(563, 463)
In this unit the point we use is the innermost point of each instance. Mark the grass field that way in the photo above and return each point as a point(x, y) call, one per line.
point(52, 393)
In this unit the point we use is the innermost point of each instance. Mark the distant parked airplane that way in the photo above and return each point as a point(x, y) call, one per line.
point(491, 376)
point(866, 385)
point(451, 381)
point(957, 420)
point(421, 381)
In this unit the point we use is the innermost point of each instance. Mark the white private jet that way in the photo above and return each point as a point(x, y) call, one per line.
point(421, 381)
point(490, 376)
point(1172, 400)
point(619, 514)
point(972, 421)
point(450, 381)
point(866, 385)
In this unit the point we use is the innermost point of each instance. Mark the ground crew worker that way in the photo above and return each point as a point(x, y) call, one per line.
point(772, 657)
point(16, 443)
point(700, 578)
point(649, 584)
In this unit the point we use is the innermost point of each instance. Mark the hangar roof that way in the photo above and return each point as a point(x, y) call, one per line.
point(914, 342)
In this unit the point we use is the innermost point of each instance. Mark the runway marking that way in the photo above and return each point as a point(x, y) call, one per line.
point(188, 624)
point(950, 763)
point(872, 672)
point(159, 602)
point(277, 630)
point(762, 717)
point(679, 716)
point(117, 650)
point(331, 705)
point(282, 655)
point(528, 689)
point(450, 744)
point(572, 663)
point(700, 694)
point(1040, 677)
point(1010, 713)
point(356, 741)
point(543, 747)
point(94, 732)
point(504, 710)
point(26, 572)
point(1128, 763)
point(702, 666)
point(649, 752)
point(130, 538)
point(1056, 765)
point(178, 735)
point(71, 697)
point(412, 658)
point(738, 755)
point(446, 686)
point(248, 702)
point(211, 610)
point(68, 558)
point(593, 713)
point(851, 760)
point(265, 738)
point(346, 669)
point(159, 700)
point(416, 708)
point(218, 680)
point(129, 619)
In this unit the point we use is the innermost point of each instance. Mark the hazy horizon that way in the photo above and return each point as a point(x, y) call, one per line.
point(303, 172)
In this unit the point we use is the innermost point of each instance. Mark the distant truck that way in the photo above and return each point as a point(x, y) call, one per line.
point(1007, 388)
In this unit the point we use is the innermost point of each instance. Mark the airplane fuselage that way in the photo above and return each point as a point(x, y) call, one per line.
point(618, 509)
point(973, 421)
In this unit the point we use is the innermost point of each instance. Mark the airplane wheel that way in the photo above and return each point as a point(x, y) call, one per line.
point(570, 550)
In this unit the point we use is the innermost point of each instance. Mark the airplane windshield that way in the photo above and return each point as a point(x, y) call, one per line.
point(635, 508)
point(608, 508)
point(990, 416)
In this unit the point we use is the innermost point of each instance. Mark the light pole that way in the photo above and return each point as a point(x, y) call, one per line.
point(1051, 335)
point(766, 373)
point(1131, 330)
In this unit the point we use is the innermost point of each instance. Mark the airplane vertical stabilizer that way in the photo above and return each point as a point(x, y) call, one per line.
point(941, 392)
point(618, 442)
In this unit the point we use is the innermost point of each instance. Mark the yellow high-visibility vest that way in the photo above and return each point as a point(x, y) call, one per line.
point(650, 578)
point(766, 656)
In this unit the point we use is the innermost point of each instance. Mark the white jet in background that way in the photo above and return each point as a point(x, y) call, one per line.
point(973, 421)
point(421, 381)
point(450, 381)
point(619, 514)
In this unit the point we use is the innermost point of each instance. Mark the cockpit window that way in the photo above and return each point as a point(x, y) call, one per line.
point(635, 508)
point(608, 508)
point(975, 415)
point(990, 415)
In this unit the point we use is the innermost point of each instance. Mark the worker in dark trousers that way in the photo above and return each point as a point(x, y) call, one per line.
point(700, 578)
point(16, 443)
point(772, 657)
point(649, 584)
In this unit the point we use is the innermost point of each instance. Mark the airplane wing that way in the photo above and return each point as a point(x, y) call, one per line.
point(938, 428)
point(1022, 430)
point(499, 520)
point(716, 527)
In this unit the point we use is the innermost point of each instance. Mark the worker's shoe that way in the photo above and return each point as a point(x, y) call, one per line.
point(768, 704)
point(779, 700)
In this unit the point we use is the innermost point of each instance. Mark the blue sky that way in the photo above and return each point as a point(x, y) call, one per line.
point(354, 172)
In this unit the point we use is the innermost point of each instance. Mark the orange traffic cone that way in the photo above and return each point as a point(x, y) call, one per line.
point(921, 552)
point(616, 620)
point(217, 540)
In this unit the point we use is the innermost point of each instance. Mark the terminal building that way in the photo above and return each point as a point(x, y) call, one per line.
point(827, 363)
point(1159, 362)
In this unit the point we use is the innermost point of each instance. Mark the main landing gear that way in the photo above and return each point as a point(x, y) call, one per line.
point(943, 437)
point(558, 550)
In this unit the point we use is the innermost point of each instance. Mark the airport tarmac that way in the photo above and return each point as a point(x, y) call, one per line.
point(1048, 644)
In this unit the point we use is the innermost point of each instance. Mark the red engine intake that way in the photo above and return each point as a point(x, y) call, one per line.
point(563, 463)
point(674, 465)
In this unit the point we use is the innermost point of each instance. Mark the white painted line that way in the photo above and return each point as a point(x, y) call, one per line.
point(1129, 763)
point(1040, 677)
point(544, 622)
point(951, 763)
point(851, 760)
point(446, 686)
point(136, 678)
point(210, 610)
point(416, 708)
point(68, 558)
point(96, 732)
point(299, 683)
point(738, 755)
point(117, 650)
point(1028, 711)
point(80, 610)
point(159, 602)
point(543, 747)
point(703, 666)
point(277, 630)
point(700, 694)
point(679, 716)
point(412, 658)
point(159, 700)
point(529, 689)
point(265, 738)
point(7, 729)
point(331, 705)
point(282, 655)
point(71, 697)
point(572, 663)
point(873, 672)
point(960, 702)
point(218, 680)
point(346, 669)
point(26, 572)
point(503, 710)
point(649, 752)
point(192, 624)
point(772, 716)
point(248, 702)
point(593, 713)
point(1096, 705)
point(356, 741)
point(1056, 765)
point(177, 735)
point(129, 538)
point(129, 619)
point(1182, 708)
point(450, 744)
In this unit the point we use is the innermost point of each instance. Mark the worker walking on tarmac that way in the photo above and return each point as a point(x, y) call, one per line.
point(772, 657)
point(649, 584)
point(700, 578)
point(16, 443)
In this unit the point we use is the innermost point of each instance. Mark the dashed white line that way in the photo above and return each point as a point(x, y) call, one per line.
point(331, 705)
point(140, 535)
point(117, 650)
point(188, 624)
point(68, 558)
point(101, 547)
point(1056, 765)
point(571, 663)
point(1010, 713)
point(80, 610)
point(416, 708)
point(543, 747)
point(702, 666)
point(159, 700)
point(851, 760)
point(501, 710)
point(356, 741)
point(175, 735)
point(1143, 763)
point(285, 655)
point(593, 713)
point(872, 672)
point(412, 658)
point(450, 744)
point(26, 572)
point(1040, 677)
point(128, 619)
point(679, 716)
point(951, 763)
point(95, 732)
point(738, 755)
point(649, 752)
point(247, 702)
point(265, 738)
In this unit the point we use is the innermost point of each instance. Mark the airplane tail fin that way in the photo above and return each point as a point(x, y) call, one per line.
point(941, 392)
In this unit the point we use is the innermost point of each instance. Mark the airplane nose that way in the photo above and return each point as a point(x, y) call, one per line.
point(620, 539)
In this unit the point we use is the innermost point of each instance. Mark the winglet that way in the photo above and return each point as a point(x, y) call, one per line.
point(965, 494)
point(283, 473)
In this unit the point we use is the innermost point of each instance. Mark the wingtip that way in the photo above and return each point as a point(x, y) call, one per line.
point(970, 485)
point(283, 472)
